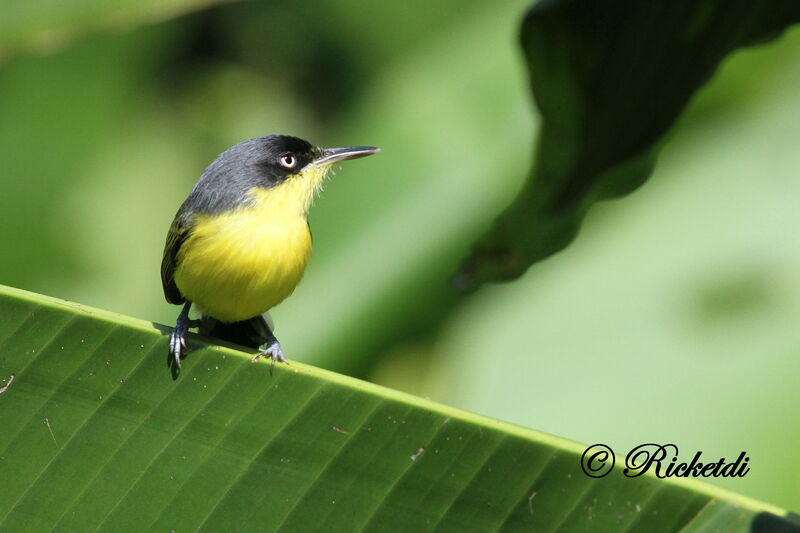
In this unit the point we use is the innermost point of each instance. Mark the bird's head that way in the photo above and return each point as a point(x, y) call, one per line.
point(292, 170)
point(276, 172)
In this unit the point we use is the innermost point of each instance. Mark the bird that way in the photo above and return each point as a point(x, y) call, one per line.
point(240, 242)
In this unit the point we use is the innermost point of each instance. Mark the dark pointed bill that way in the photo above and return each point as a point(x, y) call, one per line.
point(333, 155)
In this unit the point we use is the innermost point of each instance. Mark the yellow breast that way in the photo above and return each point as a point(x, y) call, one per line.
point(239, 264)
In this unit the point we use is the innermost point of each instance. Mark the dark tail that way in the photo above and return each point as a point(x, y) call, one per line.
point(252, 332)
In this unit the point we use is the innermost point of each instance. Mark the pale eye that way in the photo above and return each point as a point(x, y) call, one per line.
point(288, 161)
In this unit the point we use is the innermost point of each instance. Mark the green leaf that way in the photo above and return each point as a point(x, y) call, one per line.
point(45, 25)
point(610, 78)
point(96, 435)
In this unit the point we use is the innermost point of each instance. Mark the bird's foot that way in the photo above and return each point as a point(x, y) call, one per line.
point(177, 341)
point(274, 352)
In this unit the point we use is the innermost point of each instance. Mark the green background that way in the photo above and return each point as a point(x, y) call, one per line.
point(672, 317)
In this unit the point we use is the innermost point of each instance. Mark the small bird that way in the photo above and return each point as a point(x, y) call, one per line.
point(240, 242)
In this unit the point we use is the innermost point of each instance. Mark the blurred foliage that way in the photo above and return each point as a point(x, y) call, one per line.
point(675, 308)
point(609, 77)
point(49, 25)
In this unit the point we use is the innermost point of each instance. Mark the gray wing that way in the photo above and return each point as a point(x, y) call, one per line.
point(178, 233)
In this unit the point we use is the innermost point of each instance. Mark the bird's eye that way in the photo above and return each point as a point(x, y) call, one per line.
point(288, 161)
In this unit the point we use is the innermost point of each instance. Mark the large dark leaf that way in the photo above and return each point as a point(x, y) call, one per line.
point(610, 77)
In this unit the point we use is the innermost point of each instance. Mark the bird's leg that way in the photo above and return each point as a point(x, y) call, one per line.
point(272, 349)
point(177, 341)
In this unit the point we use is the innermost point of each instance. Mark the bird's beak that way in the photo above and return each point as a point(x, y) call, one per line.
point(333, 155)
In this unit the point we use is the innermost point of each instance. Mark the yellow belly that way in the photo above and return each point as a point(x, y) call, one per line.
point(238, 265)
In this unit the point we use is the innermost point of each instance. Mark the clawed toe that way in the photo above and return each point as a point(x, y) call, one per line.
point(177, 345)
point(177, 340)
point(274, 352)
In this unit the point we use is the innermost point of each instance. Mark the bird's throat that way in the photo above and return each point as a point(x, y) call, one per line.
point(293, 196)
